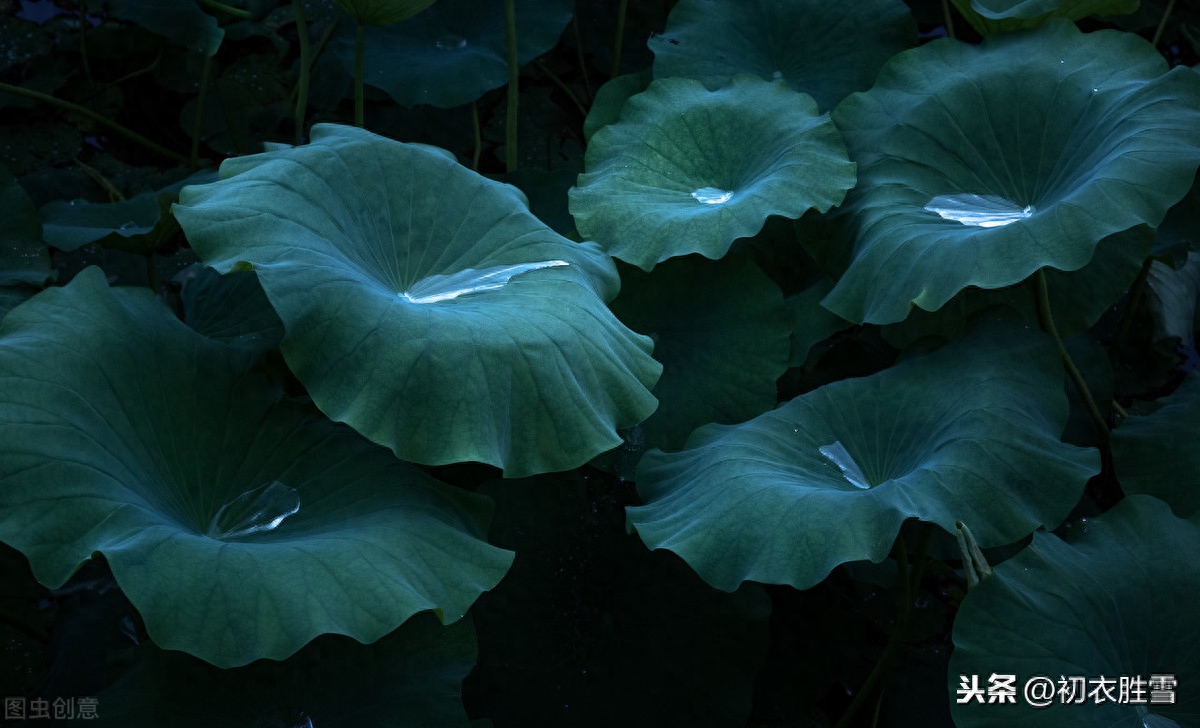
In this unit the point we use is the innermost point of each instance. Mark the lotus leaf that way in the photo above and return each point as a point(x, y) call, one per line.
point(825, 50)
point(979, 165)
point(1173, 295)
point(967, 433)
point(994, 16)
point(240, 525)
point(688, 170)
point(425, 305)
point(1156, 454)
point(382, 12)
point(180, 20)
point(610, 98)
point(232, 308)
point(455, 51)
point(1107, 605)
point(24, 258)
point(721, 352)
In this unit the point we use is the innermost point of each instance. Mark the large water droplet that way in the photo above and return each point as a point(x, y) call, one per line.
point(986, 211)
point(450, 42)
point(712, 195)
point(839, 456)
point(255, 511)
point(438, 288)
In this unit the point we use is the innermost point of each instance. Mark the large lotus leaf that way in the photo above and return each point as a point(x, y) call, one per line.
point(180, 20)
point(409, 679)
point(425, 306)
point(721, 352)
point(591, 629)
point(994, 16)
point(1108, 605)
point(688, 170)
point(967, 433)
point(240, 525)
point(453, 52)
point(826, 50)
point(1156, 454)
point(811, 322)
point(980, 164)
point(610, 98)
point(382, 12)
point(1173, 297)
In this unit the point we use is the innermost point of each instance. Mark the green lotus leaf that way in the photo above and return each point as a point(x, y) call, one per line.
point(822, 49)
point(980, 164)
point(239, 524)
point(995, 16)
point(811, 322)
point(182, 21)
point(967, 433)
point(721, 352)
point(1156, 453)
point(688, 170)
point(1173, 295)
point(1107, 605)
point(24, 258)
point(382, 12)
point(455, 51)
point(232, 308)
point(611, 98)
point(409, 679)
point(385, 258)
point(139, 225)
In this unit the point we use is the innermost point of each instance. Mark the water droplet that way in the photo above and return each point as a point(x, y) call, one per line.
point(712, 195)
point(839, 456)
point(778, 75)
point(450, 42)
point(986, 211)
point(437, 288)
point(77, 201)
point(255, 511)
point(128, 225)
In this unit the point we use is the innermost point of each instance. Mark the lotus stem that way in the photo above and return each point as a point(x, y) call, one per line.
point(510, 34)
point(194, 158)
point(616, 62)
point(305, 68)
point(114, 195)
point(83, 52)
point(949, 19)
point(566, 89)
point(478, 137)
point(1120, 410)
point(359, 43)
point(909, 579)
point(1047, 321)
point(151, 278)
point(227, 9)
point(1162, 24)
point(123, 131)
point(587, 85)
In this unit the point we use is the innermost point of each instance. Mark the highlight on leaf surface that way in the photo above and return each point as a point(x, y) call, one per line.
point(442, 320)
point(240, 524)
point(978, 165)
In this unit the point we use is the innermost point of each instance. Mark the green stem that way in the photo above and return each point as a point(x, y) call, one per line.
point(478, 137)
point(616, 62)
point(1120, 410)
point(909, 579)
point(123, 131)
point(151, 278)
point(228, 9)
point(359, 43)
point(305, 66)
point(559, 82)
point(1047, 321)
point(510, 33)
point(197, 125)
point(114, 195)
point(587, 86)
point(949, 19)
point(1162, 24)
point(1136, 290)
